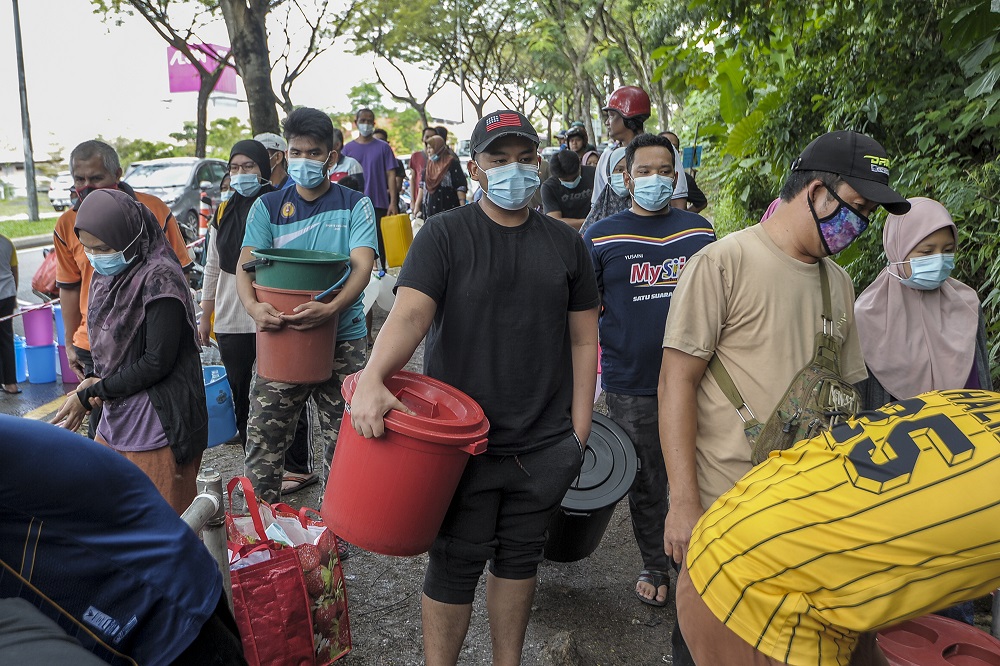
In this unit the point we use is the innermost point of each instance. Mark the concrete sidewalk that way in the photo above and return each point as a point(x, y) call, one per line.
point(26, 242)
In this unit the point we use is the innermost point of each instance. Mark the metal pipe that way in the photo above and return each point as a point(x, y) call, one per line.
point(207, 514)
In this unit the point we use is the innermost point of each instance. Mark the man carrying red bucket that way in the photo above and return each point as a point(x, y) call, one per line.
point(508, 300)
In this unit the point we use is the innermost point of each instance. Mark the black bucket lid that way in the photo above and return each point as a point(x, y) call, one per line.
point(609, 467)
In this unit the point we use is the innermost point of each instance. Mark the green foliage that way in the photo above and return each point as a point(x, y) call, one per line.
point(917, 75)
point(222, 134)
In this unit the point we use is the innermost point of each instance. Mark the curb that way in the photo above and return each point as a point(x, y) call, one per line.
point(27, 242)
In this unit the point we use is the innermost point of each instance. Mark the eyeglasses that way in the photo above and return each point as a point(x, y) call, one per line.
point(245, 167)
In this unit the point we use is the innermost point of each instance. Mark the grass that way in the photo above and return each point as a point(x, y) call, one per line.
point(19, 205)
point(22, 228)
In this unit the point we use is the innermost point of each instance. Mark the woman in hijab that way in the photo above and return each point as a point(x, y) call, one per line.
point(235, 331)
point(147, 368)
point(921, 330)
point(590, 158)
point(615, 197)
point(443, 182)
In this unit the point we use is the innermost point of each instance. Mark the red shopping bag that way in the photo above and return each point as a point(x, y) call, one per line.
point(44, 280)
point(317, 563)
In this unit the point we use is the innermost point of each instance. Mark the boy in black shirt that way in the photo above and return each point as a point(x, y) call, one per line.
point(566, 195)
point(498, 289)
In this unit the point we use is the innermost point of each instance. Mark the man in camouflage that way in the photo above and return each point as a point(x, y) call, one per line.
point(314, 215)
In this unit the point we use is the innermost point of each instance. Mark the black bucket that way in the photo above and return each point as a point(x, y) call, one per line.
point(609, 467)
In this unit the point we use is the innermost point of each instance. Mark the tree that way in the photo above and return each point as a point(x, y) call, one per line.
point(159, 15)
point(246, 24)
point(323, 25)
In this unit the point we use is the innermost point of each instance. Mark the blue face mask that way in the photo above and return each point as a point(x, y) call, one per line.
point(618, 184)
point(930, 272)
point(226, 195)
point(111, 264)
point(307, 173)
point(247, 184)
point(653, 193)
point(512, 185)
point(572, 184)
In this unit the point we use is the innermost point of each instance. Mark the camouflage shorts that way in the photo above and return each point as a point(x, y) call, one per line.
point(274, 412)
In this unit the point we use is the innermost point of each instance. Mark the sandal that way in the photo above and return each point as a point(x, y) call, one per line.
point(292, 482)
point(657, 579)
point(14, 392)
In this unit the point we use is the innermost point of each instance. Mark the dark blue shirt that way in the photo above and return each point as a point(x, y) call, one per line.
point(86, 537)
point(638, 260)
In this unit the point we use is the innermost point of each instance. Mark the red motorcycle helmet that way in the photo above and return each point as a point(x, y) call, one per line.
point(629, 101)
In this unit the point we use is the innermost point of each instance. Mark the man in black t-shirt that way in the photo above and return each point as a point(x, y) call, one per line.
point(566, 195)
point(497, 288)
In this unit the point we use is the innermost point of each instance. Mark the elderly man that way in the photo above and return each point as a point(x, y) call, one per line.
point(95, 165)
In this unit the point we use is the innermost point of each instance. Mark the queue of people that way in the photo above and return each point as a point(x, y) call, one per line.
point(618, 256)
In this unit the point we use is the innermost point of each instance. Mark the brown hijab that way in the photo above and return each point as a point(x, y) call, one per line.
point(435, 170)
point(117, 303)
point(915, 341)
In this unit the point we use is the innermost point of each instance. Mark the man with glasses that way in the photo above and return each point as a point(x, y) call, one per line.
point(754, 300)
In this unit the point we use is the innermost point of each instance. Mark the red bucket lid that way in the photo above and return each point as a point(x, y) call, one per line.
point(444, 414)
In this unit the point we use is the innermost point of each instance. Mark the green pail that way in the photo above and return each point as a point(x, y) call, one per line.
point(303, 270)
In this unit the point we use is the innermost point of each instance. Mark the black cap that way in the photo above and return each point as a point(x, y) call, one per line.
point(500, 124)
point(860, 161)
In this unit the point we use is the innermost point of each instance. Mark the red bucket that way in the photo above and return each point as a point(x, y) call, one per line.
point(933, 640)
point(390, 495)
point(295, 357)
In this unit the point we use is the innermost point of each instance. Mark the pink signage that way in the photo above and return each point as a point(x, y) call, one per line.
point(184, 75)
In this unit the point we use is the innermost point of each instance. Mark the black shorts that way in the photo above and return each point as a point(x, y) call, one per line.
point(499, 515)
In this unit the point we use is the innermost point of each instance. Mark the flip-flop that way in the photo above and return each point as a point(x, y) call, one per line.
point(657, 579)
point(293, 482)
point(11, 392)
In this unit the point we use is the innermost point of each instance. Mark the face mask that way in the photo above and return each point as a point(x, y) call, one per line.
point(247, 184)
point(81, 194)
point(573, 184)
point(618, 184)
point(227, 195)
point(111, 264)
point(841, 227)
point(928, 273)
point(435, 157)
point(364, 129)
point(653, 193)
point(307, 173)
point(512, 185)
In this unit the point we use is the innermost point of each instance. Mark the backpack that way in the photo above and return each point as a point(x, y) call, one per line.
point(817, 398)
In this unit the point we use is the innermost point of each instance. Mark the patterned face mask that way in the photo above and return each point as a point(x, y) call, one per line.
point(841, 227)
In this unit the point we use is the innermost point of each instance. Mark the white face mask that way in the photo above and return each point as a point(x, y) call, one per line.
point(365, 129)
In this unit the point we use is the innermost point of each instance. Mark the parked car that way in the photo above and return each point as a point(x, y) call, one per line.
point(178, 182)
point(549, 151)
point(61, 190)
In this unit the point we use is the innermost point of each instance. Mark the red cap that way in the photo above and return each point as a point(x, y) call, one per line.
point(630, 101)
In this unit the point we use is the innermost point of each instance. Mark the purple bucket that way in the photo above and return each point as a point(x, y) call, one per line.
point(38, 329)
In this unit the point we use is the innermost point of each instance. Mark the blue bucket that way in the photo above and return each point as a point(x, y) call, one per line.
point(41, 363)
point(219, 397)
point(20, 359)
point(60, 326)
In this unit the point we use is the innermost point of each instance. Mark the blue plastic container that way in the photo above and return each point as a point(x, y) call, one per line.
point(221, 414)
point(41, 363)
point(60, 326)
point(20, 360)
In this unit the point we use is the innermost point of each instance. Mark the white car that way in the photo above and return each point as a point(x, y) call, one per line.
point(61, 190)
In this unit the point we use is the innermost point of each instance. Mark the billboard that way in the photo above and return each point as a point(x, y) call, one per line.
point(184, 75)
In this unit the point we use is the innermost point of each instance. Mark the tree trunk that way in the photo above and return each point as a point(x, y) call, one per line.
point(245, 23)
point(201, 120)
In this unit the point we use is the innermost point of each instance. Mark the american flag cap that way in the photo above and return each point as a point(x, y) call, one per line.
point(499, 124)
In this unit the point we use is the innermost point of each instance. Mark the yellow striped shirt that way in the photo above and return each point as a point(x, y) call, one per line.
point(889, 517)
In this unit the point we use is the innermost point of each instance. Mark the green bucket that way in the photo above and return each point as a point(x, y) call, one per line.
point(303, 270)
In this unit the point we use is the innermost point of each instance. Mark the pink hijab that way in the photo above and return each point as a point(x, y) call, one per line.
point(915, 341)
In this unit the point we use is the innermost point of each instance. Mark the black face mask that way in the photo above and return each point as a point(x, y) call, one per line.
point(77, 195)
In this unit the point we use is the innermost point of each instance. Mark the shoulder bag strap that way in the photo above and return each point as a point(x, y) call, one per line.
point(728, 387)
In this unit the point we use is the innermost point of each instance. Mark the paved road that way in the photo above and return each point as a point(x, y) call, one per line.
point(37, 400)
